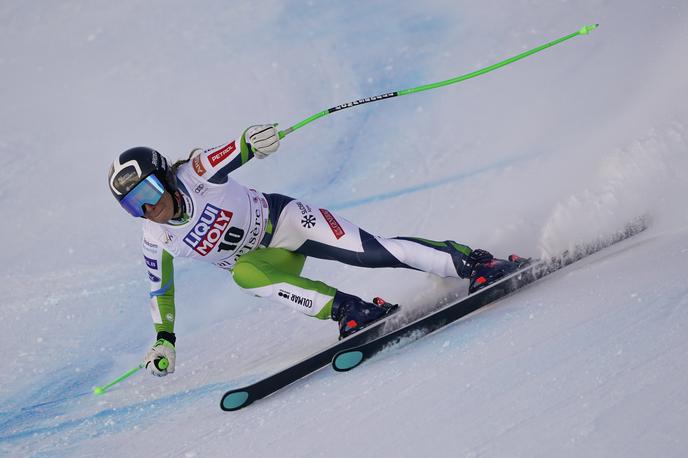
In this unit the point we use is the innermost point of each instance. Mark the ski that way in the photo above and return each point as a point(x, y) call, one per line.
point(239, 398)
point(351, 357)
point(374, 338)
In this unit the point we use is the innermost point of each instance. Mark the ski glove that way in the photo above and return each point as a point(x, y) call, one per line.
point(262, 140)
point(160, 359)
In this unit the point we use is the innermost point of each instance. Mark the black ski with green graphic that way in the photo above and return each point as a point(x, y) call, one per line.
point(351, 357)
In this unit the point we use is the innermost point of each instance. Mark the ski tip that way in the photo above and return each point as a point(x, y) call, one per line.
point(234, 400)
point(347, 360)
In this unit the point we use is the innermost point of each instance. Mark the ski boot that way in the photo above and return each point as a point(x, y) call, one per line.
point(487, 269)
point(354, 314)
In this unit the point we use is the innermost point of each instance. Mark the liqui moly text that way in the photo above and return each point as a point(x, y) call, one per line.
point(208, 231)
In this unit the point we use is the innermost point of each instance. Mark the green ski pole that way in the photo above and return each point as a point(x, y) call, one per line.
point(582, 31)
point(159, 363)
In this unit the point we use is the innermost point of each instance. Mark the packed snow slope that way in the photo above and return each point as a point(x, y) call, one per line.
point(551, 151)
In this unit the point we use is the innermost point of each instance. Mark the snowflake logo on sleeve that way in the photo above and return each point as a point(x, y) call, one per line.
point(308, 221)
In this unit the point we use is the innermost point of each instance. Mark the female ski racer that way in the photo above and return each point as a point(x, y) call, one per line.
point(195, 209)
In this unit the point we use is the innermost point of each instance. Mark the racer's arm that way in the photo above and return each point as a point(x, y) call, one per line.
point(161, 275)
point(217, 163)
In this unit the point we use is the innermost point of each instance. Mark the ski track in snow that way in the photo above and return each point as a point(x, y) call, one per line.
point(431, 184)
point(554, 150)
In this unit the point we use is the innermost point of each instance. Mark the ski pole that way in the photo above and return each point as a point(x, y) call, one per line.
point(582, 31)
point(104, 388)
point(161, 364)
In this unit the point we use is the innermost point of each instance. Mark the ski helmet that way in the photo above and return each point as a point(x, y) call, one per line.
point(135, 166)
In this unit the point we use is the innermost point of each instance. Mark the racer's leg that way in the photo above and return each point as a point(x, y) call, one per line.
point(300, 230)
point(275, 273)
point(322, 234)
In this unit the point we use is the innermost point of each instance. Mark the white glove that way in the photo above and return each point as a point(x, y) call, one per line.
point(160, 359)
point(263, 139)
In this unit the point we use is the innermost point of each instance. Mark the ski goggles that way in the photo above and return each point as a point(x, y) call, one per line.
point(148, 191)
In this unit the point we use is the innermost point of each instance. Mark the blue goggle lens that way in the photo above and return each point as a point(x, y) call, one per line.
point(149, 191)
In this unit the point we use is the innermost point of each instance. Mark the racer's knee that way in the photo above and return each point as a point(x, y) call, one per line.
point(248, 274)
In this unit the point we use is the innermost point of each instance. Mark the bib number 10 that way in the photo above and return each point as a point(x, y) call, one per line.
point(231, 240)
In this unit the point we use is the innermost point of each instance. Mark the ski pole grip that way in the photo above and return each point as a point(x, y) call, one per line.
point(161, 364)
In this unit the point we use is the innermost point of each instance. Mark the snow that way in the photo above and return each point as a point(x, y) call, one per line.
point(551, 151)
